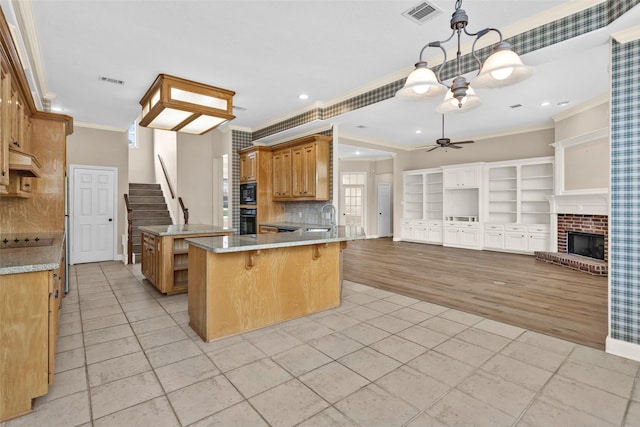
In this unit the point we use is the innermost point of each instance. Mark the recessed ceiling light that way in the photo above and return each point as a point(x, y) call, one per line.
point(418, 131)
point(357, 153)
point(563, 103)
point(303, 96)
point(57, 109)
point(545, 104)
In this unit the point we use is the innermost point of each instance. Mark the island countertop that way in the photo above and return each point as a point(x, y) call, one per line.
point(184, 229)
point(252, 242)
point(32, 258)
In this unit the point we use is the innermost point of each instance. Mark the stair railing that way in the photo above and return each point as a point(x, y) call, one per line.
point(185, 211)
point(166, 177)
point(129, 230)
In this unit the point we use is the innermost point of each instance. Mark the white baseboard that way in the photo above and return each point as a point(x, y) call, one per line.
point(622, 348)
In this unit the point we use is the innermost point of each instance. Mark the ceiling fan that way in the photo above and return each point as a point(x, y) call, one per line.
point(446, 142)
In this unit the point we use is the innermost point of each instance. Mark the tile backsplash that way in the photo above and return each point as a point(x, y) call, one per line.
point(305, 212)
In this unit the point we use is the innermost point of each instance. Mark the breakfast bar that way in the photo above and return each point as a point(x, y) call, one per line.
point(244, 282)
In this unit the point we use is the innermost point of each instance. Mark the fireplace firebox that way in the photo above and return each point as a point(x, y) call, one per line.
point(585, 244)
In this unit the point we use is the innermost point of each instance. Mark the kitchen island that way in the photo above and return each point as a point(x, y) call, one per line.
point(240, 283)
point(165, 252)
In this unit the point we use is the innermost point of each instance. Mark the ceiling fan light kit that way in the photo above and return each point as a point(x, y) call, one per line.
point(502, 68)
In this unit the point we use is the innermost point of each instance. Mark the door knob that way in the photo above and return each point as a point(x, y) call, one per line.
point(110, 219)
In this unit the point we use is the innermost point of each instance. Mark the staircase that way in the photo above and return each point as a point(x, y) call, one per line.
point(149, 208)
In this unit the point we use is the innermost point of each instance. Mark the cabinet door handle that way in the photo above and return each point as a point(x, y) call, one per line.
point(3, 173)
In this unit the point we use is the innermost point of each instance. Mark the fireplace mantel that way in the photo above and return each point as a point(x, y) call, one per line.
point(580, 204)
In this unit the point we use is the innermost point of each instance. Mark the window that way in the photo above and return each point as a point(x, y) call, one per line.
point(133, 135)
point(353, 190)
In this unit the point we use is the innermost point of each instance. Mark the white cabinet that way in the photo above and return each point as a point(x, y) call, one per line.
point(522, 238)
point(515, 238)
point(462, 177)
point(539, 239)
point(461, 234)
point(421, 231)
point(493, 237)
point(435, 232)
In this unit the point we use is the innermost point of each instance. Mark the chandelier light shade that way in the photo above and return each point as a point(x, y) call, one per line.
point(420, 82)
point(502, 68)
point(173, 103)
point(451, 104)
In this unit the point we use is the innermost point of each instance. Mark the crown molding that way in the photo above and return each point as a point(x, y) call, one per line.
point(587, 105)
point(628, 35)
point(29, 34)
point(372, 141)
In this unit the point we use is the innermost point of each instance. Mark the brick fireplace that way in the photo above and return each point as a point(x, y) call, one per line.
point(592, 224)
point(578, 214)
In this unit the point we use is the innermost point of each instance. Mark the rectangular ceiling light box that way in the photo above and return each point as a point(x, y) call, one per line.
point(173, 103)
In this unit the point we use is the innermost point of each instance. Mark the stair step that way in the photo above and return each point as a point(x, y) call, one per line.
point(146, 199)
point(148, 206)
point(152, 221)
point(150, 214)
point(144, 192)
point(144, 186)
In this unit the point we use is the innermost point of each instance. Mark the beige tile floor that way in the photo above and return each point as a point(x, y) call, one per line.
point(127, 357)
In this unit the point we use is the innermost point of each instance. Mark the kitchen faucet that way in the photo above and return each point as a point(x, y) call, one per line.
point(332, 211)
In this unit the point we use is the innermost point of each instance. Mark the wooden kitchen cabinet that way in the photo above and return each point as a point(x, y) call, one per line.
point(149, 266)
point(282, 174)
point(29, 319)
point(248, 166)
point(301, 169)
point(5, 87)
point(165, 255)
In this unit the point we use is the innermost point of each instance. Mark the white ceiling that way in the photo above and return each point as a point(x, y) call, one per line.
point(269, 52)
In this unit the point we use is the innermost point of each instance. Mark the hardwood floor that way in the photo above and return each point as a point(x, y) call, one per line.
point(510, 288)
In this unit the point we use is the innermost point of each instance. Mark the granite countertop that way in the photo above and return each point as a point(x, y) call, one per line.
point(184, 229)
point(29, 259)
point(294, 225)
point(252, 242)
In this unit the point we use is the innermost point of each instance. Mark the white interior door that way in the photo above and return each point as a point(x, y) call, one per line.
point(384, 210)
point(93, 219)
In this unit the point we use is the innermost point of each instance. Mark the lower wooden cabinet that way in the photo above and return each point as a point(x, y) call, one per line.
point(29, 317)
point(165, 260)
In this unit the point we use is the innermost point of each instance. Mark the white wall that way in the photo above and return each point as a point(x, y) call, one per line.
point(164, 144)
point(195, 176)
point(141, 164)
point(97, 147)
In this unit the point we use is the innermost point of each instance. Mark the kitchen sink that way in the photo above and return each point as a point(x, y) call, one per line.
point(317, 229)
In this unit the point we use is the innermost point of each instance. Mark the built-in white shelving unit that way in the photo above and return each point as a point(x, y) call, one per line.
point(502, 194)
point(499, 206)
point(414, 193)
point(536, 187)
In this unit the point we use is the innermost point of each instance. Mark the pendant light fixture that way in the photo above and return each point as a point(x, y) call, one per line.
point(173, 103)
point(502, 68)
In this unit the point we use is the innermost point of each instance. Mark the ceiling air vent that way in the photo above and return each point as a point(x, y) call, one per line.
point(239, 108)
point(515, 106)
point(422, 13)
point(110, 80)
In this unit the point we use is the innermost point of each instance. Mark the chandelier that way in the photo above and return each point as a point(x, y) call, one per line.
point(502, 68)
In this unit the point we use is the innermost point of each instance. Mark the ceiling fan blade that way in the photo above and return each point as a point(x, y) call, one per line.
point(434, 148)
point(463, 142)
point(452, 146)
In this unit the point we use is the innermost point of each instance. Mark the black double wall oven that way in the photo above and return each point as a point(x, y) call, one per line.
point(248, 196)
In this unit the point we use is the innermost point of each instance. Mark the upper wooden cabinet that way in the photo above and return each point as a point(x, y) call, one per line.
point(5, 87)
point(248, 166)
point(301, 169)
point(282, 174)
